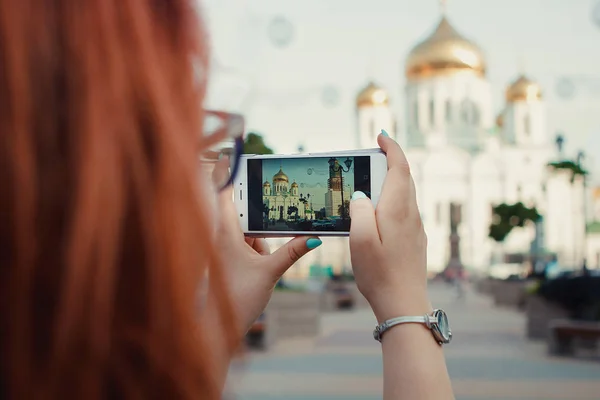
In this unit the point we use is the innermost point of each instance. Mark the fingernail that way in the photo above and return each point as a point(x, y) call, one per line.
point(313, 243)
point(384, 133)
point(358, 195)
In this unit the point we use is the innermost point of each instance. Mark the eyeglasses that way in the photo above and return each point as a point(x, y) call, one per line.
point(223, 135)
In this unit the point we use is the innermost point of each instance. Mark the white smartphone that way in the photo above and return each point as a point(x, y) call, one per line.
point(300, 194)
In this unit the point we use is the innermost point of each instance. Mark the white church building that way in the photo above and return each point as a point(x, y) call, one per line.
point(462, 151)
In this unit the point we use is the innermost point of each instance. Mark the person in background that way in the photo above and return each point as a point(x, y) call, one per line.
point(460, 282)
point(109, 233)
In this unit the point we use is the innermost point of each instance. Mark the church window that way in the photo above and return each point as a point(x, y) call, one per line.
point(475, 114)
point(526, 125)
point(448, 111)
point(464, 111)
point(431, 112)
point(469, 112)
point(416, 113)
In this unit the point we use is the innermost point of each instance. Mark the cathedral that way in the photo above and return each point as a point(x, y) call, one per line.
point(470, 155)
point(462, 154)
point(282, 201)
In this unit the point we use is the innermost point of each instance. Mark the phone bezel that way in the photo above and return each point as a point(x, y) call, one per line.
point(378, 163)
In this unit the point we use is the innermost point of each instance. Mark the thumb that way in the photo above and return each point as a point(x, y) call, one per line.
point(363, 229)
point(282, 259)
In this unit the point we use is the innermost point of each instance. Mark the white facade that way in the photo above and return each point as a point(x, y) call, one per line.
point(443, 111)
point(459, 155)
point(280, 196)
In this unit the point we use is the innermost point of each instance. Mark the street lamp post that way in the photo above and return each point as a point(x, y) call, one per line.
point(333, 168)
point(560, 141)
point(580, 158)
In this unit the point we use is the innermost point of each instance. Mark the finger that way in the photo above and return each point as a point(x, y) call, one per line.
point(363, 229)
point(397, 190)
point(261, 246)
point(284, 257)
point(249, 241)
point(395, 155)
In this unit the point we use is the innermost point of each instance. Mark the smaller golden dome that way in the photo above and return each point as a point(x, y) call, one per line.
point(294, 185)
point(280, 177)
point(266, 184)
point(523, 89)
point(500, 120)
point(371, 96)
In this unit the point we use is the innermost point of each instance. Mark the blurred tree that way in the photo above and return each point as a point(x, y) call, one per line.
point(292, 210)
point(255, 144)
point(506, 217)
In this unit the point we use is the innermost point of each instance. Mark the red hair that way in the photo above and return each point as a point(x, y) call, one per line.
point(103, 235)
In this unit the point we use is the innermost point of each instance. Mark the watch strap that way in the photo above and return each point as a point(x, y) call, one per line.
point(384, 326)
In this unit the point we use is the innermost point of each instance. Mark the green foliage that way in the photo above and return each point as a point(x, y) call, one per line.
point(509, 216)
point(569, 165)
point(255, 144)
point(593, 227)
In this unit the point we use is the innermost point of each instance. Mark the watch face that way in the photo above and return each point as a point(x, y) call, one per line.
point(443, 326)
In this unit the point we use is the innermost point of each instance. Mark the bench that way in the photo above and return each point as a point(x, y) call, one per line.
point(563, 332)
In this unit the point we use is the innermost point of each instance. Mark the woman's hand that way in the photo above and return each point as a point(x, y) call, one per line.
point(388, 245)
point(250, 268)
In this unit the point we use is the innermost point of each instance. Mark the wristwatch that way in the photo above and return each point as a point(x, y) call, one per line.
point(437, 322)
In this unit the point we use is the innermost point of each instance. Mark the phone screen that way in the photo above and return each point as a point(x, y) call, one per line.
point(305, 193)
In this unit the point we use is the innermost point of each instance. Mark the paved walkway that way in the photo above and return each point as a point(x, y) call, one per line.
point(489, 359)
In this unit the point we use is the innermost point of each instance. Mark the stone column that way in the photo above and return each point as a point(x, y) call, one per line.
point(454, 263)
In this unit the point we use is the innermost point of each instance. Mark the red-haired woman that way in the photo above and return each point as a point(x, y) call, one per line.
point(106, 235)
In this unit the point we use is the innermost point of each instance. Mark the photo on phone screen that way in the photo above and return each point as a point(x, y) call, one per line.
point(304, 193)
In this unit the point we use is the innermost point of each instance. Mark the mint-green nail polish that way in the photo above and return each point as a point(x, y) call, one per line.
point(384, 133)
point(358, 195)
point(313, 243)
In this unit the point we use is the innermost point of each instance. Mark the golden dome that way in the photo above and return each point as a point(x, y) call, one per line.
point(294, 185)
point(280, 177)
point(500, 120)
point(444, 51)
point(266, 184)
point(372, 95)
point(523, 89)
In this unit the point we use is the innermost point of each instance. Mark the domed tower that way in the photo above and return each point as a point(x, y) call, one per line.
point(448, 97)
point(280, 182)
point(294, 190)
point(266, 188)
point(525, 114)
point(374, 114)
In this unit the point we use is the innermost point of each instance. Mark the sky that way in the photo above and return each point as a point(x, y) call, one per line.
point(310, 174)
point(342, 44)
